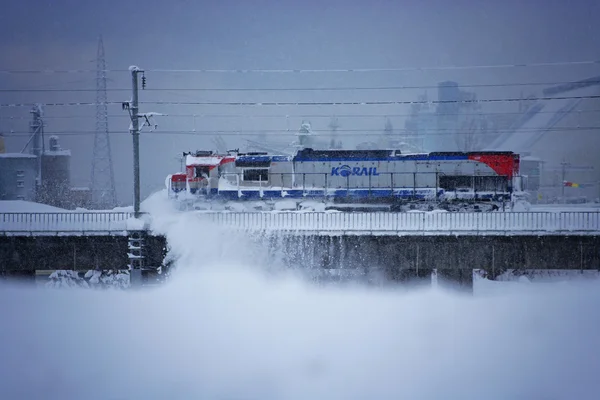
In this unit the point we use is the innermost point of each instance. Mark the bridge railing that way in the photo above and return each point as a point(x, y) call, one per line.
point(66, 222)
point(503, 223)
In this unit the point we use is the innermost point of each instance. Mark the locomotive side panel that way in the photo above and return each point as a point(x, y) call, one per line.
point(309, 175)
point(404, 172)
point(281, 174)
point(320, 178)
point(425, 175)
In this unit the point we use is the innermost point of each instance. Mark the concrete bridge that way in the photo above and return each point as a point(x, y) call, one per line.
point(78, 241)
point(401, 246)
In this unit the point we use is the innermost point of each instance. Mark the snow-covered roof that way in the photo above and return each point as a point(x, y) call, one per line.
point(530, 158)
point(210, 160)
point(57, 152)
point(27, 206)
point(16, 155)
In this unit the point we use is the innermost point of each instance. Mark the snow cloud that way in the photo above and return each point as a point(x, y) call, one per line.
point(222, 329)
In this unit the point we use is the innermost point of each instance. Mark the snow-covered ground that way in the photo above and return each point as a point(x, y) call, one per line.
point(229, 326)
point(22, 206)
point(587, 207)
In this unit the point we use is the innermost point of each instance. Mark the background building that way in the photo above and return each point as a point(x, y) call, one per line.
point(17, 176)
point(558, 136)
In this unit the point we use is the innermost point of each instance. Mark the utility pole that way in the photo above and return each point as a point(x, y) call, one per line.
point(133, 109)
point(135, 132)
point(134, 114)
point(139, 271)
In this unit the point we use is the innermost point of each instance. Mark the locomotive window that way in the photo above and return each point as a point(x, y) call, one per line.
point(256, 175)
point(202, 171)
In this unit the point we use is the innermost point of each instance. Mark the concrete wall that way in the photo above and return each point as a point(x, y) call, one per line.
point(392, 253)
point(399, 258)
point(73, 252)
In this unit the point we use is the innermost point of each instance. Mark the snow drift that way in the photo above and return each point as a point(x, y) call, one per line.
point(224, 329)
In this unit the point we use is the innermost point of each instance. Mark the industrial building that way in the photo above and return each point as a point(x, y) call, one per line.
point(56, 176)
point(17, 176)
point(42, 176)
point(558, 139)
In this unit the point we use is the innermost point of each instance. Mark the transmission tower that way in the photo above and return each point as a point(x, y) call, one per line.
point(103, 177)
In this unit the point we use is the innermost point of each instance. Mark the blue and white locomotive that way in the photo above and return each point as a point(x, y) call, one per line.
point(345, 179)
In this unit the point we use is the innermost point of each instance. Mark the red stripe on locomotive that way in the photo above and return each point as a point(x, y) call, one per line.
point(178, 177)
point(502, 164)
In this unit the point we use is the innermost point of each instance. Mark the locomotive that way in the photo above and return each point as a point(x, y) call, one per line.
point(348, 180)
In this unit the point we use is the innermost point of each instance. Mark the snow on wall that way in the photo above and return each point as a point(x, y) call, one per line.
point(69, 223)
point(62, 279)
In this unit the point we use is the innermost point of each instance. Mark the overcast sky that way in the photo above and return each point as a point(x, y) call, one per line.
point(308, 34)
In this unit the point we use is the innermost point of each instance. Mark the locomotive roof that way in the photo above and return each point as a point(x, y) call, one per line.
point(313, 155)
point(272, 157)
point(259, 161)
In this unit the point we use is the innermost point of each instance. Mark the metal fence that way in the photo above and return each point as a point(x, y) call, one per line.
point(418, 223)
point(83, 223)
point(410, 223)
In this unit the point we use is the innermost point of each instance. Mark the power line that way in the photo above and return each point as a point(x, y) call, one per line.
point(399, 69)
point(59, 104)
point(284, 132)
point(328, 116)
point(360, 103)
point(263, 89)
point(310, 103)
point(334, 70)
point(49, 85)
